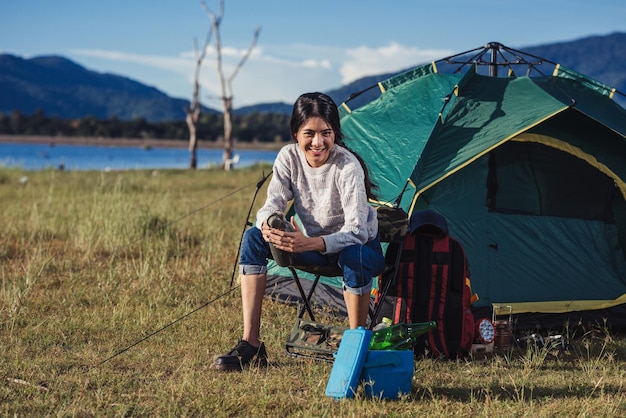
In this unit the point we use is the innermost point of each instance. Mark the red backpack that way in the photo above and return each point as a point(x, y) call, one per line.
point(432, 284)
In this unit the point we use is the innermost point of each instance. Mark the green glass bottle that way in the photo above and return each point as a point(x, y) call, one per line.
point(399, 336)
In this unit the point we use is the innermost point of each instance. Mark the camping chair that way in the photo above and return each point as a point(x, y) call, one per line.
point(309, 338)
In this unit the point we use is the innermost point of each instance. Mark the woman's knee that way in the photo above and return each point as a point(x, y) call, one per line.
point(365, 258)
point(254, 251)
point(360, 263)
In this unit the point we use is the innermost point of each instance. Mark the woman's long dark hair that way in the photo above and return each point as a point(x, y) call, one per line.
point(321, 105)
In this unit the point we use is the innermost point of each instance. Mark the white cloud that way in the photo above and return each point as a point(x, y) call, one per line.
point(180, 64)
point(271, 74)
point(273, 77)
point(325, 64)
point(365, 61)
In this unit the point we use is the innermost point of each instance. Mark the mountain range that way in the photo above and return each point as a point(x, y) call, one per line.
point(64, 89)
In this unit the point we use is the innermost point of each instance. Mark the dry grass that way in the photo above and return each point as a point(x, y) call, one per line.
point(92, 263)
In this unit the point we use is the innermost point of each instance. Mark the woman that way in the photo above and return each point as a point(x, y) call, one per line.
point(330, 187)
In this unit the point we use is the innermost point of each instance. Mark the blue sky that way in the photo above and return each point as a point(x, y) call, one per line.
point(304, 46)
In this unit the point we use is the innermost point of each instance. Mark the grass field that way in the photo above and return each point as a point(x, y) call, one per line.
point(93, 264)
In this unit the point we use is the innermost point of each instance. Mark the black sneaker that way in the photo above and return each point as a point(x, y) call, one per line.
point(244, 354)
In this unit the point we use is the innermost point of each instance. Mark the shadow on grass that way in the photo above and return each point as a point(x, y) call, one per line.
point(508, 391)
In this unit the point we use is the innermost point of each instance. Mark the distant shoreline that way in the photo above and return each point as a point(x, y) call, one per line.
point(129, 142)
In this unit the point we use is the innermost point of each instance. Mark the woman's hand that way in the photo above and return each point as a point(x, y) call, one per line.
point(293, 242)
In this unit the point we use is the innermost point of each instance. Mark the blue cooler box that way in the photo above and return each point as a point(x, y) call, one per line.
point(348, 364)
point(388, 373)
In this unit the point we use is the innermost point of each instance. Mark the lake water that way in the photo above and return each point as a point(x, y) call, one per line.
point(88, 157)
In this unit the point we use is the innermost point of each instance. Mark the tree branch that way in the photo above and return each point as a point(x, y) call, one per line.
point(257, 32)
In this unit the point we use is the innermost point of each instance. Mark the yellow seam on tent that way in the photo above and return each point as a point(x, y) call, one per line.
point(434, 67)
point(456, 93)
point(384, 203)
point(612, 93)
point(562, 306)
point(556, 70)
point(380, 202)
point(477, 156)
point(380, 87)
point(576, 152)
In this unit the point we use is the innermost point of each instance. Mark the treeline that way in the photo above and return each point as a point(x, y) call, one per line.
point(253, 127)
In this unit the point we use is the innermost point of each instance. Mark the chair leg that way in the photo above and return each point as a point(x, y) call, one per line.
point(390, 279)
point(306, 299)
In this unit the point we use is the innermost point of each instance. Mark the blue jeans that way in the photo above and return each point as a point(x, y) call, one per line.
point(359, 262)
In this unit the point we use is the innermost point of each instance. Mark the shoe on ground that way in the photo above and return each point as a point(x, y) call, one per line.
point(242, 355)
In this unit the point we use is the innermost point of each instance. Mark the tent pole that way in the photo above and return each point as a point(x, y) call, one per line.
point(493, 66)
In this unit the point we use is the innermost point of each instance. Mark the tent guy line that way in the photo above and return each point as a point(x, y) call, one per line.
point(259, 184)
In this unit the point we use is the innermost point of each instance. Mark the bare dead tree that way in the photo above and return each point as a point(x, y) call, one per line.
point(226, 84)
point(193, 111)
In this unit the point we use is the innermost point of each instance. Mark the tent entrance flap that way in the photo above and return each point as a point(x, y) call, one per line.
point(534, 179)
point(533, 230)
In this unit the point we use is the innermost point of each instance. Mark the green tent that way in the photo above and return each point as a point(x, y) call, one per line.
point(529, 172)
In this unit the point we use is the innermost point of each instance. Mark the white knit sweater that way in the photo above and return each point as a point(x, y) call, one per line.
point(330, 200)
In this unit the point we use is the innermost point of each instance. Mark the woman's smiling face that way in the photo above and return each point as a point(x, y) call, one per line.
point(316, 138)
